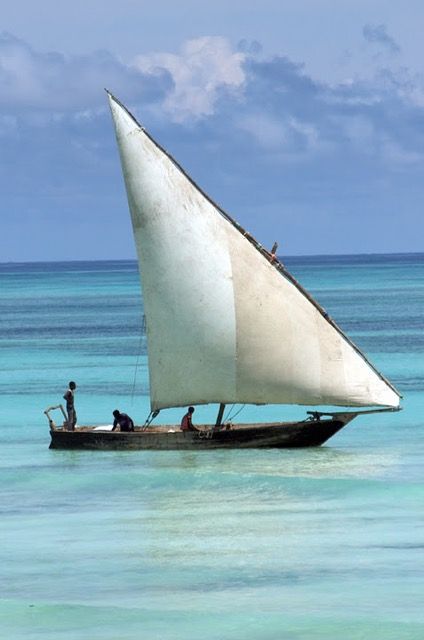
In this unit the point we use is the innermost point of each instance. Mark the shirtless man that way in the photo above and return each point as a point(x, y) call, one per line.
point(70, 407)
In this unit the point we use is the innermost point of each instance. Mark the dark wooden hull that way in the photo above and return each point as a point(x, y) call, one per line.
point(307, 433)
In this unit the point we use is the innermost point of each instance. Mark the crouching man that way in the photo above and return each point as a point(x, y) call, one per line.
point(123, 421)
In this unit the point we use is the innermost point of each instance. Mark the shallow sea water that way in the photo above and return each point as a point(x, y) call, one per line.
point(313, 544)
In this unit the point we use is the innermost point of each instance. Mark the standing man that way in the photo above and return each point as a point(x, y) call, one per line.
point(186, 422)
point(70, 407)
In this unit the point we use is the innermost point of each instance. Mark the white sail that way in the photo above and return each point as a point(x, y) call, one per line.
point(224, 325)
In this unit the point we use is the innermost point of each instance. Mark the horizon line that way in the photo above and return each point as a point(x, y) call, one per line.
point(280, 257)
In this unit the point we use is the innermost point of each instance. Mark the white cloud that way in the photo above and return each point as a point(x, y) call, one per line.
point(30, 80)
point(258, 131)
point(205, 67)
point(269, 132)
point(282, 134)
point(273, 99)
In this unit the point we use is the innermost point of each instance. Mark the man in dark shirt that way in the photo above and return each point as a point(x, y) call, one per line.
point(70, 407)
point(123, 421)
point(186, 422)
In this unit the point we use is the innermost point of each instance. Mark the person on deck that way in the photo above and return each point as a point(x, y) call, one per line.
point(186, 422)
point(70, 406)
point(123, 421)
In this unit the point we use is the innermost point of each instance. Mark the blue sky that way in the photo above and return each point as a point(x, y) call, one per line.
point(304, 120)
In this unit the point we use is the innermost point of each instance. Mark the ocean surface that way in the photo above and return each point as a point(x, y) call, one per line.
point(315, 544)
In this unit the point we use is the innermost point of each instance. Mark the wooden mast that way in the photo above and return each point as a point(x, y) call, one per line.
point(220, 415)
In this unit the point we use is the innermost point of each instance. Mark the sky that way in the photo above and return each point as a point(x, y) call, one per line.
point(303, 119)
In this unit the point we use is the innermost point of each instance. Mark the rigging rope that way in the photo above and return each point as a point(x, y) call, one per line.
point(227, 417)
point(236, 414)
point(152, 415)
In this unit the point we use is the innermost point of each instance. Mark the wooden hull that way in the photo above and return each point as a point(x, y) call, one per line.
point(307, 433)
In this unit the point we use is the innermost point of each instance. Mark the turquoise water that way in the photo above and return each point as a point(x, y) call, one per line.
point(296, 545)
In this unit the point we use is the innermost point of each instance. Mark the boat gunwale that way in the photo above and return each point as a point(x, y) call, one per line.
point(172, 428)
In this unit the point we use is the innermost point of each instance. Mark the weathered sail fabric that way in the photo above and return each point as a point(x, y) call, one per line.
point(223, 325)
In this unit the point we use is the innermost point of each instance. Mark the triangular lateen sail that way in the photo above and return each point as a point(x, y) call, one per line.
point(224, 325)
